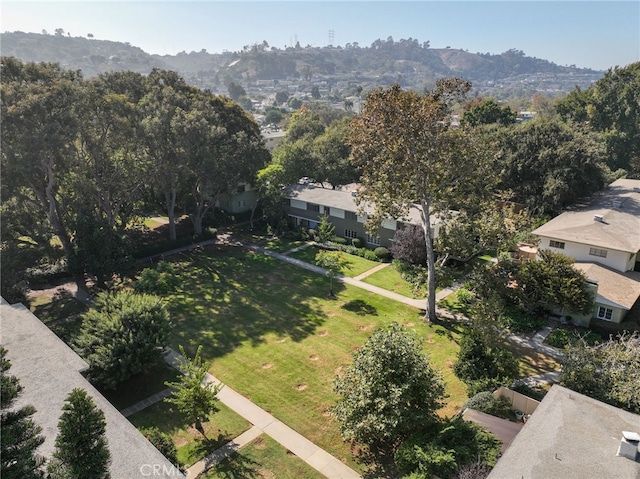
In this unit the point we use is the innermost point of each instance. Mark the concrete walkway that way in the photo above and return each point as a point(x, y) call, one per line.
point(375, 269)
point(317, 458)
point(550, 377)
point(145, 403)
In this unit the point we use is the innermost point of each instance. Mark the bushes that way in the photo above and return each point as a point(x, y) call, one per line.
point(485, 402)
point(382, 253)
point(560, 338)
point(159, 280)
point(357, 242)
point(518, 321)
point(362, 252)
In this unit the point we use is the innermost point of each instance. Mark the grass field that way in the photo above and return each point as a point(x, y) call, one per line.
point(262, 458)
point(355, 264)
point(192, 446)
point(271, 333)
point(389, 278)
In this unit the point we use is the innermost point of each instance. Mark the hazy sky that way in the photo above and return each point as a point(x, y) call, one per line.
point(594, 34)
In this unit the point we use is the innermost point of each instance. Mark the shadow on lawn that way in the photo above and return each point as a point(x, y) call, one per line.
point(237, 466)
point(229, 296)
point(360, 307)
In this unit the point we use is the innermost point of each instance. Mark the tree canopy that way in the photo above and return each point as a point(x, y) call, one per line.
point(123, 334)
point(408, 154)
point(389, 391)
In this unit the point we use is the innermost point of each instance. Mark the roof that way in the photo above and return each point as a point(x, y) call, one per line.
point(48, 370)
point(620, 290)
point(503, 429)
point(343, 198)
point(570, 436)
point(619, 207)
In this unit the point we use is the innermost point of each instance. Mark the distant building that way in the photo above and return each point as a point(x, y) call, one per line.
point(48, 371)
point(306, 203)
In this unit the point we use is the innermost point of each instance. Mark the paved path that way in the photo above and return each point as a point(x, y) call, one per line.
point(317, 458)
point(549, 377)
point(145, 403)
point(375, 269)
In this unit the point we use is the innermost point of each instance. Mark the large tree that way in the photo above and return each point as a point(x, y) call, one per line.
point(609, 371)
point(122, 335)
point(389, 391)
point(81, 446)
point(20, 436)
point(409, 155)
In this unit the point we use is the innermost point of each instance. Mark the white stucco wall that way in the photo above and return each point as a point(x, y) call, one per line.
point(619, 260)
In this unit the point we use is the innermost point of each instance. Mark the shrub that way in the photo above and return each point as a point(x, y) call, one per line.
point(338, 240)
point(485, 402)
point(159, 280)
point(561, 338)
point(528, 391)
point(520, 322)
point(465, 297)
point(382, 253)
point(163, 443)
point(357, 242)
point(312, 234)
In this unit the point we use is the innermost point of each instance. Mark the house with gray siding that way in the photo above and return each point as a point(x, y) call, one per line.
point(306, 203)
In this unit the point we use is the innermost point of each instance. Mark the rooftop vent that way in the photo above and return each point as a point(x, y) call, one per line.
point(354, 193)
point(599, 218)
point(629, 445)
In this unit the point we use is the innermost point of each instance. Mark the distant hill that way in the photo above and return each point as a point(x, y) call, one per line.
point(409, 62)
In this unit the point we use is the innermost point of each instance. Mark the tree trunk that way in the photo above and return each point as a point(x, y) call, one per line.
point(430, 311)
point(170, 200)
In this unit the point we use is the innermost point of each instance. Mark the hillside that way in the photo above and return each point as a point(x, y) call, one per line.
point(408, 62)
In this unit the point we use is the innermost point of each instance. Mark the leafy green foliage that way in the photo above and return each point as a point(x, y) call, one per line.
point(484, 366)
point(159, 280)
point(333, 261)
point(382, 253)
point(486, 112)
point(609, 371)
point(20, 436)
point(192, 395)
point(163, 443)
point(389, 391)
point(325, 229)
point(122, 335)
point(81, 446)
point(441, 450)
point(561, 338)
point(484, 401)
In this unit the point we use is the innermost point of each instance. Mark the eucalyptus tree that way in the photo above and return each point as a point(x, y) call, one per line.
point(408, 154)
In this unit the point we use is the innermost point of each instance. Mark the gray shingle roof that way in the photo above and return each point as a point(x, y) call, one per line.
point(619, 207)
point(48, 370)
point(622, 289)
point(570, 436)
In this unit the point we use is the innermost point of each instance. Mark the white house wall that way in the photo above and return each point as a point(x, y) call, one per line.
point(301, 205)
point(619, 260)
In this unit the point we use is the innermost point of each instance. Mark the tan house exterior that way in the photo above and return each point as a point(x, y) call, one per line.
point(604, 239)
point(305, 205)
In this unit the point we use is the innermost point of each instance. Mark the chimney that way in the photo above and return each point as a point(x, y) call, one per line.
point(629, 445)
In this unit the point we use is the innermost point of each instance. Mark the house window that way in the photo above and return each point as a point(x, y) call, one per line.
point(350, 234)
point(287, 201)
point(605, 313)
point(241, 189)
point(350, 215)
point(313, 207)
point(602, 253)
point(556, 244)
point(374, 240)
point(327, 210)
point(242, 203)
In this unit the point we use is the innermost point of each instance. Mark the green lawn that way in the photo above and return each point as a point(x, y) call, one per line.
point(141, 386)
point(280, 245)
point(356, 265)
point(192, 446)
point(272, 335)
point(389, 278)
point(262, 458)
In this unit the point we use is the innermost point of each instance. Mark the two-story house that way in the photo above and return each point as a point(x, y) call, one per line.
point(604, 239)
point(307, 203)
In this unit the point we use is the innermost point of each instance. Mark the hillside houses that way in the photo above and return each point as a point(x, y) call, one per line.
point(604, 239)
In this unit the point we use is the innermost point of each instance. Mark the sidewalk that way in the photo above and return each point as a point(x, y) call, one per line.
point(317, 458)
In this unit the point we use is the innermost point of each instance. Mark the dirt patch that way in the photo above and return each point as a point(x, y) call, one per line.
point(302, 386)
point(430, 339)
point(338, 370)
point(314, 357)
point(411, 324)
point(267, 366)
point(259, 443)
point(449, 363)
point(323, 333)
point(368, 327)
point(266, 474)
point(281, 340)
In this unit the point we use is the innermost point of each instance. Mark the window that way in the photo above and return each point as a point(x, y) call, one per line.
point(287, 201)
point(327, 210)
point(556, 244)
point(241, 189)
point(242, 203)
point(605, 313)
point(313, 207)
point(374, 240)
point(602, 253)
point(350, 234)
point(350, 215)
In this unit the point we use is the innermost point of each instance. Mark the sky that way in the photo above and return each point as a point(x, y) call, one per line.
point(589, 34)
